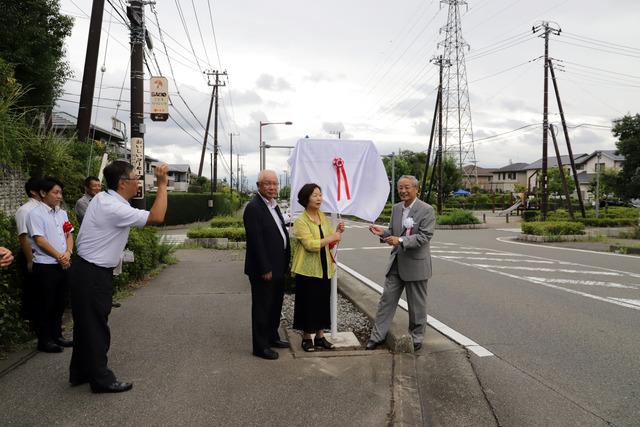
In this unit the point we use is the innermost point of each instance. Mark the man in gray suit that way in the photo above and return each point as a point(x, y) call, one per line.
point(409, 268)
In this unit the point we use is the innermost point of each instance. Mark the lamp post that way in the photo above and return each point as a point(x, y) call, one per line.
point(262, 144)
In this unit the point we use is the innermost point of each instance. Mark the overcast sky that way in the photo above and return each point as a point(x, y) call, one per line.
point(362, 68)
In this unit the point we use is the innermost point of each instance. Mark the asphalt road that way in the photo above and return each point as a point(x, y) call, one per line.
point(563, 326)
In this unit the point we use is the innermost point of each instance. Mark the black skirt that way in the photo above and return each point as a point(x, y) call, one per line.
point(312, 310)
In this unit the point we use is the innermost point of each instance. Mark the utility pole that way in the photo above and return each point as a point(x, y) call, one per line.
point(598, 185)
point(231, 135)
point(544, 199)
point(393, 179)
point(135, 12)
point(213, 103)
point(89, 74)
point(565, 188)
point(238, 172)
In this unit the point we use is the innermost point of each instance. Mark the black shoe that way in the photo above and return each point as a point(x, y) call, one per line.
point(267, 353)
point(372, 345)
point(49, 347)
point(280, 344)
point(307, 345)
point(63, 342)
point(116, 305)
point(322, 343)
point(114, 387)
point(417, 346)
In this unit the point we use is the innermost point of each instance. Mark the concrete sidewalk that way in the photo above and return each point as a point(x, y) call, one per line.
point(185, 341)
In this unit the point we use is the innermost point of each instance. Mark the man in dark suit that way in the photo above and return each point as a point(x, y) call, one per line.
point(266, 264)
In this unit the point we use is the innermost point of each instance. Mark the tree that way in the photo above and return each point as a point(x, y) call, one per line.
point(627, 130)
point(32, 34)
point(554, 185)
point(609, 184)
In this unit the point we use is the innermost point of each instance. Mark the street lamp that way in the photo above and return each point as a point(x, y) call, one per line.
point(262, 145)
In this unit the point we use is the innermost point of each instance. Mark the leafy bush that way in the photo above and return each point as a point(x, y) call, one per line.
point(529, 216)
point(235, 234)
point(185, 208)
point(552, 228)
point(457, 217)
point(226, 221)
point(608, 222)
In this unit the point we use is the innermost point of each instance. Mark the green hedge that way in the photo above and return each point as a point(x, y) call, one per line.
point(235, 234)
point(226, 221)
point(552, 228)
point(185, 208)
point(529, 216)
point(457, 217)
point(608, 222)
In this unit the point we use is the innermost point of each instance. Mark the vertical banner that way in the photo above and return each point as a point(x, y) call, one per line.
point(159, 92)
point(137, 160)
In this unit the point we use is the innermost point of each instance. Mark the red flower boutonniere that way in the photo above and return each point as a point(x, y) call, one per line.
point(67, 227)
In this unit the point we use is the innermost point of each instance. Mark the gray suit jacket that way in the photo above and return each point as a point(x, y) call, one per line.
point(414, 255)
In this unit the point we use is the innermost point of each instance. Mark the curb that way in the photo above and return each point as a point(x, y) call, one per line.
point(366, 300)
point(17, 358)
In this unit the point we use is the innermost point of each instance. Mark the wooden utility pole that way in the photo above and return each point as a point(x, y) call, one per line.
point(206, 132)
point(135, 12)
point(89, 74)
point(214, 103)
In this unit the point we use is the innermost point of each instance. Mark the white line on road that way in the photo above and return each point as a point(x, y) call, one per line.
point(587, 283)
point(508, 240)
point(549, 285)
point(629, 301)
point(479, 258)
point(548, 270)
point(434, 323)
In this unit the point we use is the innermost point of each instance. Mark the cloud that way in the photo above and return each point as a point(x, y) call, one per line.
point(320, 76)
point(333, 127)
point(269, 82)
point(422, 128)
point(248, 97)
point(410, 107)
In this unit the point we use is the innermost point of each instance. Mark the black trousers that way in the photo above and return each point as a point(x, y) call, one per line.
point(28, 309)
point(266, 307)
point(51, 290)
point(91, 288)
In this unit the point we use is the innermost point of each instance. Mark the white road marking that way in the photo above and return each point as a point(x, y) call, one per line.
point(512, 230)
point(532, 261)
point(508, 240)
point(471, 253)
point(548, 270)
point(549, 285)
point(628, 301)
point(434, 323)
point(586, 283)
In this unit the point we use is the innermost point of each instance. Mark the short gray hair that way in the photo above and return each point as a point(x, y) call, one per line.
point(413, 179)
point(264, 172)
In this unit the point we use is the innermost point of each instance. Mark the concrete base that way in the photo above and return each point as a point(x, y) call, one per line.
point(344, 341)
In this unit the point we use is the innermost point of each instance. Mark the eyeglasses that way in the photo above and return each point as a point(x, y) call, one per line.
point(128, 178)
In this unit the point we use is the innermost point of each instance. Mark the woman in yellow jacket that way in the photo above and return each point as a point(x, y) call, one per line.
point(313, 267)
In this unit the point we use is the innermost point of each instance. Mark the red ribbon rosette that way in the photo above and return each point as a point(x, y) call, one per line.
point(67, 227)
point(338, 163)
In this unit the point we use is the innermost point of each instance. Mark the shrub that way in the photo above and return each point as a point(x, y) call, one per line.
point(235, 234)
point(457, 217)
point(185, 208)
point(529, 216)
point(552, 228)
point(226, 221)
point(608, 222)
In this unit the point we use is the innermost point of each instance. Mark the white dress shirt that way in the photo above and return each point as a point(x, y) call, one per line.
point(272, 204)
point(22, 215)
point(105, 228)
point(47, 222)
point(405, 212)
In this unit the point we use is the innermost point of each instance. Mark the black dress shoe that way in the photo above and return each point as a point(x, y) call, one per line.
point(267, 353)
point(280, 344)
point(63, 342)
point(372, 345)
point(417, 346)
point(50, 347)
point(114, 387)
point(322, 343)
point(78, 381)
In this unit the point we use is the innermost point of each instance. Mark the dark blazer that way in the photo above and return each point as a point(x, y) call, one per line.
point(265, 249)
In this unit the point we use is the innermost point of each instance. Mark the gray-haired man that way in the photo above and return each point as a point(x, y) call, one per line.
point(409, 268)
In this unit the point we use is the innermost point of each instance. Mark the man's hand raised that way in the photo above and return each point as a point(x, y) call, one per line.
point(161, 174)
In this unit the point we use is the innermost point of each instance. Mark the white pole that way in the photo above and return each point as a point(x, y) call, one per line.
point(334, 288)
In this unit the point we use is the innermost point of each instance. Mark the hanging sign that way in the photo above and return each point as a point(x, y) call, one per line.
point(159, 90)
point(137, 161)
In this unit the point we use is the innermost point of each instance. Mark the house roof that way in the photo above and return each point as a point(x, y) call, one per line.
point(586, 178)
point(64, 121)
point(179, 168)
point(552, 162)
point(513, 167)
point(470, 170)
point(608, 153)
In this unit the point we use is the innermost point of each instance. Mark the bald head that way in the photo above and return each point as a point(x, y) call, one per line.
point(268, 184)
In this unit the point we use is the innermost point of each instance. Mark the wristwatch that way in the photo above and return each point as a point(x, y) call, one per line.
point(400, 240)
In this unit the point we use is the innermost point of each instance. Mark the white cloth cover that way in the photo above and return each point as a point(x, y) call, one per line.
point(312, 160)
